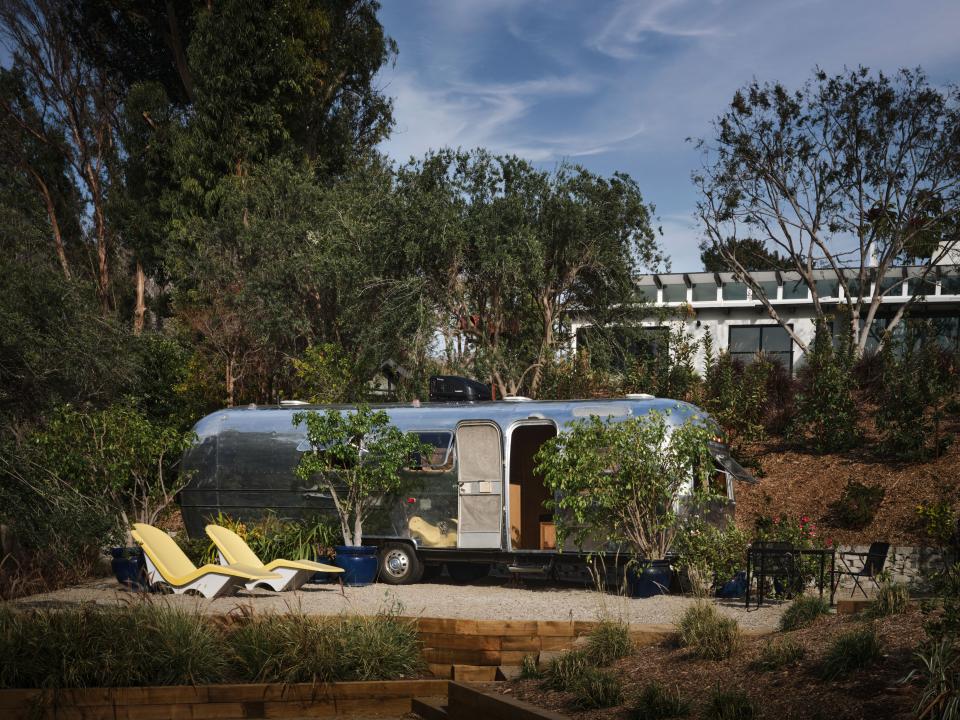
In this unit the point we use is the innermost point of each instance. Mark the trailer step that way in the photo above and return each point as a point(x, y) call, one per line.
point(529, 569)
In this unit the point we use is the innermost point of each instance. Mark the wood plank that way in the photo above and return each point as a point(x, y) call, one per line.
point(299, 709)
point(369, 707)
point(512, 657)
point(464, 642)
point(469, 703)
point(447, 656)
point(438, 670)
point(18, 698)
point(553, 628)
point(506, 627)
point(530, 643)
point(556, 643)
point(451, 626)
point(475, 673)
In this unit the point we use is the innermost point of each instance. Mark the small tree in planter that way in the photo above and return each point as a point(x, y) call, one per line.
point(624, 482)
point(358, 456)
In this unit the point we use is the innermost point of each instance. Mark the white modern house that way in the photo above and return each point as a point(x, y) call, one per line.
point(717, 303)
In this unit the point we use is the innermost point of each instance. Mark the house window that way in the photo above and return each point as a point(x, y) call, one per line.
point(674, 293)
point(734, 291)
point(705, 292)
point(771, 340)
point(795, 290)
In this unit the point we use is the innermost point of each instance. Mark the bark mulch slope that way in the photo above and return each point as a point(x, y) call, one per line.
point(874, 693)
point(797, 484)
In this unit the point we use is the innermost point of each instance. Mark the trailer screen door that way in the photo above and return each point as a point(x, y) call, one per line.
point(480, 481)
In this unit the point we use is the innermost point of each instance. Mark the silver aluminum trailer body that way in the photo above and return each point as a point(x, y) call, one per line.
point(477, 498)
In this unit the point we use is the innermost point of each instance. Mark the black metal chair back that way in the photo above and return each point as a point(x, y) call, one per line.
point(876, 559)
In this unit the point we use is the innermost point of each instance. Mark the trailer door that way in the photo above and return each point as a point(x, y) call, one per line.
point(480, 485)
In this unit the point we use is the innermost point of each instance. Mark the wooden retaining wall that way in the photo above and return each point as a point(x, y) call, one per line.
point(220, 702)
point(475, 649)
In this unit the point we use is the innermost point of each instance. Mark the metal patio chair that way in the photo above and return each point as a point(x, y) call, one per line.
point(873, 561)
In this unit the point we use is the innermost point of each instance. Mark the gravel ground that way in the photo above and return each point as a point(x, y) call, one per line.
point(485, 600)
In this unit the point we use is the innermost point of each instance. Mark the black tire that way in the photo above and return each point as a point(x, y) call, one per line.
point(467, 572)
point(399, 564)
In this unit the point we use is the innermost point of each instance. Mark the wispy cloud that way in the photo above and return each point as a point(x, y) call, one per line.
point(624, 32)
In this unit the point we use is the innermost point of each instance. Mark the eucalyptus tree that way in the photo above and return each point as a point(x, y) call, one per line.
point(852, 173)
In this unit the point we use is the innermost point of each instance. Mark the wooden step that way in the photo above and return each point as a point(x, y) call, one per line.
point(434, 708)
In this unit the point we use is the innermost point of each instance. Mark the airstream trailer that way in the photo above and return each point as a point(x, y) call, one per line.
point(479, 500)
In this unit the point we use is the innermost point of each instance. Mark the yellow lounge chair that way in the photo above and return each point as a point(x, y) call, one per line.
point(167, 563)
point(286, 574)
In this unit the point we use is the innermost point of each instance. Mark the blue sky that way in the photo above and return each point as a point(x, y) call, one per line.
point(617, 85)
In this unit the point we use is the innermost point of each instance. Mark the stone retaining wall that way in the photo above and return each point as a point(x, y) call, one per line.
point(907, 564)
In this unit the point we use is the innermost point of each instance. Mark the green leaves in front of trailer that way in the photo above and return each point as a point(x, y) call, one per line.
point(359, 458)
point(622, 482)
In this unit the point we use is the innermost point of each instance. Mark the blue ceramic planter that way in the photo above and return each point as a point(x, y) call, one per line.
point(129, 567)
point(650, 580)
point(359, 564)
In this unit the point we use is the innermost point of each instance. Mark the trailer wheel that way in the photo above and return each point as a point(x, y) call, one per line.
point(399, 564)
point(467, 572)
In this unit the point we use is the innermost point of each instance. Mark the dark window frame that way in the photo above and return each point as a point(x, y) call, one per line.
point(747, 357)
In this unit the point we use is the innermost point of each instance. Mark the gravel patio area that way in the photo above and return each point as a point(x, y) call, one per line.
point(484, 600)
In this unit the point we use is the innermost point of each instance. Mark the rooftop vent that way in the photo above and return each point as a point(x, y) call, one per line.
point(640, 396)
point(293, 403)
point(516, 398)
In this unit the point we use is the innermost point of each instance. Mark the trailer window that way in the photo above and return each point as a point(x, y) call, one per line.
point(440, 458)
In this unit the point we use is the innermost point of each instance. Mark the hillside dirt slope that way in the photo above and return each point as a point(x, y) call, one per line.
point(795, 484)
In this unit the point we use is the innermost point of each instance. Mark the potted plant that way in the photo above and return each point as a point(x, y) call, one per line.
point(358, 457)
point(625, 485)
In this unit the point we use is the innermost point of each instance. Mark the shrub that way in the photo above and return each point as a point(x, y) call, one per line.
point(607, 642)
point(707, 634)
point(730, 705)
point(850, 651)
point(803, 611)
point(303, 648)
point(778, 654)
point(857, 505)
point(720, 552)
point(917, 381)
point(892, 599)
point(597, 689)
point(938, 671)
point(657, 702)
point(529, 669)
point(271, 538)
point(565, 671)
point(826, 414)
point(736, 395)
point(109, 647)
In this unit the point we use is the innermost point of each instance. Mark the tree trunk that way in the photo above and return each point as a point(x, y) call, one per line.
point(54, 223)
point(140, 309)
point(229, 381)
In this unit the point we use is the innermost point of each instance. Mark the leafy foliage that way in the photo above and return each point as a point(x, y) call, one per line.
point(826, 412)
point(271, 538)
point(917, 381)
point(358, 456)
point(714, 553)
point(621, 481)
point(802, 171)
